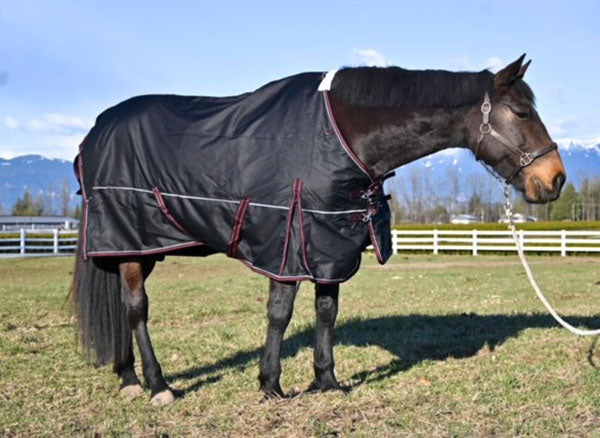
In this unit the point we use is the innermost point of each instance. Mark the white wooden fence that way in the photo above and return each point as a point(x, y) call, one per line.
point(58, 242)
point(476, 241)
point(22, 243)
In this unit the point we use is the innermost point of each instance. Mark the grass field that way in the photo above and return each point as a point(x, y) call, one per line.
point(429, 345)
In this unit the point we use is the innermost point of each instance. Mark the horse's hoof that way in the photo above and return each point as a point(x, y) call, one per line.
point(325, 386)
point(163, 398)
point(131, 391)
point(273, 393)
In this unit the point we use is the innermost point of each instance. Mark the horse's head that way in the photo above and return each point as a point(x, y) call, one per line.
point(510, 137)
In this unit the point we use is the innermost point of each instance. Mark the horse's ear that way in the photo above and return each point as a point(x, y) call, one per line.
point(510, 73)
point(523, 69)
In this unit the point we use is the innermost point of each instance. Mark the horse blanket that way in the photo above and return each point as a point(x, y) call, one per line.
point(264, 177)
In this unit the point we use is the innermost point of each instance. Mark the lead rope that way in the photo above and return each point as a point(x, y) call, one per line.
point(508, 208)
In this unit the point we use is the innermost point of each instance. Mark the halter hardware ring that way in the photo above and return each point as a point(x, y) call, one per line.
point(525, 159)
point(485, 128)
point(486, 107)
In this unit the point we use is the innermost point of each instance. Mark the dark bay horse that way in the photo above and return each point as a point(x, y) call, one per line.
point(387, 117)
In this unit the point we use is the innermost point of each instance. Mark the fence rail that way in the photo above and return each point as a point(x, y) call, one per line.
point(23, 243)
point(476, 241)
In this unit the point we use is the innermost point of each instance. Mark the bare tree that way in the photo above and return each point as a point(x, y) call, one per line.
point(65, 198)
point(453, 186)
point(413, 194)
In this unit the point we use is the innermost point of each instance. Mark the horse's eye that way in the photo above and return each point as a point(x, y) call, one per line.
point(522, 115)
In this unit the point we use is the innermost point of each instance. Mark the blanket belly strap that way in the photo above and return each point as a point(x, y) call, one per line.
point(236, 232)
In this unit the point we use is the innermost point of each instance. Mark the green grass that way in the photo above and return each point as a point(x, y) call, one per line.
point(430, 345)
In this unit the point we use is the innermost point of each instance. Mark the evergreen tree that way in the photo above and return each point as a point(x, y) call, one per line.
point(26, 206)
point(567, 205)
point(77, 213)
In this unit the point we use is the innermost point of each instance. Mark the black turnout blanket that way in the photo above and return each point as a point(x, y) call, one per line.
point(264, 177)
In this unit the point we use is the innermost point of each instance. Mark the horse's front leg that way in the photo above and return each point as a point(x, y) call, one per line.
point(133, 275)
point(280, 308)
point(326, 306)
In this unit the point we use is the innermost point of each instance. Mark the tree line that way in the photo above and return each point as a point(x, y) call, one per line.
point(49, 203)
point(419, 198)
point(416, 197)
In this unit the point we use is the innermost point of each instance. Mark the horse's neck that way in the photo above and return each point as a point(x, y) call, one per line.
point(385, 139)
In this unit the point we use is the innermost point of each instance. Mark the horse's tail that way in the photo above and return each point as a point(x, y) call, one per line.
point(101, 319)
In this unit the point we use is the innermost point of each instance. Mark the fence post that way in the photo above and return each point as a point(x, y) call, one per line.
point(435, 241)
point(55, 237)
point(474, 242)
point(395, 241)
point(22, 241)
point(563, 243)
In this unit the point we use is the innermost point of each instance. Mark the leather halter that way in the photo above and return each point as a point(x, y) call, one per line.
point(525, 158)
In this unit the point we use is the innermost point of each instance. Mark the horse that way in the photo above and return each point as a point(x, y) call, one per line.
point(377, 119)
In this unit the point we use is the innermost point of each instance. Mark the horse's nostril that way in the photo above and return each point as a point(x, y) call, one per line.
point(559, 180)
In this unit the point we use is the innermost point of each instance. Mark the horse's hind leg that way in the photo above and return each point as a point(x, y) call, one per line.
point(133, 274)
point(280, 308)
point(326, 306)
point(130, 384)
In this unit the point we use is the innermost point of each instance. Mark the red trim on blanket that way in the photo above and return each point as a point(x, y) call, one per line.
point(288, 229)
point(163, 207)
point(85, 203)
point(343, 141)
point(237, 227)
point(302, 237)
point(294, 278)
point(374, 243)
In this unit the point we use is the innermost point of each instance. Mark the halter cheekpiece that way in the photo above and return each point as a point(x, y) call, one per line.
point(525, 158)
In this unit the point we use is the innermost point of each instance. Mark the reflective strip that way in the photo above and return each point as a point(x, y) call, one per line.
point(229, 201)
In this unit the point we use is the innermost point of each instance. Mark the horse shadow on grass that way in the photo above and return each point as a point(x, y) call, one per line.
point(412, 339)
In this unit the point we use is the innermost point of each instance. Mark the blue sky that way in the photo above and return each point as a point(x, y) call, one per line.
point(63, 62)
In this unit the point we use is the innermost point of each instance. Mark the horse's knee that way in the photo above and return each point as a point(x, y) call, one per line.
point(325, 304)
point(326, 307)
point(280, 311)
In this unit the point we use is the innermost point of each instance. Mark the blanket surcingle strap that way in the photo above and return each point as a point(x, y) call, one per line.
point(264, 177)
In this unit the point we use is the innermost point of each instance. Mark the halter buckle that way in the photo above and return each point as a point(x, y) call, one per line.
point(486, 107)
point(526, 159)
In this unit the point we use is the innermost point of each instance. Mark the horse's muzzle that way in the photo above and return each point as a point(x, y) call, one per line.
point(544, 194)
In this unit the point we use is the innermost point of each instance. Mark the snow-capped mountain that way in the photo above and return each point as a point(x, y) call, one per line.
point(42, 176)
point(580, 158)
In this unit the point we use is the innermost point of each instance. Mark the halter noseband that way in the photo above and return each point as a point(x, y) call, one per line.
point(525, 158)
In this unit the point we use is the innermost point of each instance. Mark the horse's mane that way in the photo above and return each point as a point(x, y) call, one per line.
point(395, 87)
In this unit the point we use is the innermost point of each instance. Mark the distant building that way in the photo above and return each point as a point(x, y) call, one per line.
point(8, 223)
point(464, 219)
point(519, 218)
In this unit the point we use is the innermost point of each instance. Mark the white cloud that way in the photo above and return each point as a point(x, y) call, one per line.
point(562, 126)
point(58, 124)
point(11, 123)
point(465, 63)
point(494, 64)
point(370, 58)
